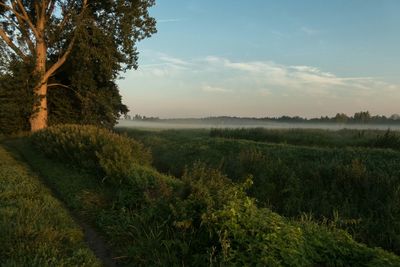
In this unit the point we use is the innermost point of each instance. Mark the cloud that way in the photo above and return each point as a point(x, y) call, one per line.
point(169, 20)
point(213, 89)
point(309, 31)
point(254, 76)
point(218, 85)
point(173, 60)
point(307, 79)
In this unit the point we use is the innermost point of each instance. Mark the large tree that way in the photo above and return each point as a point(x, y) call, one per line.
point(43, 34)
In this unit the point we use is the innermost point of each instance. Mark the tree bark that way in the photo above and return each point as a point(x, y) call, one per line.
point(39, 115)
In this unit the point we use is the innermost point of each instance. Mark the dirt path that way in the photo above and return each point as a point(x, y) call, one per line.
point(96, 244)
point(93, 240)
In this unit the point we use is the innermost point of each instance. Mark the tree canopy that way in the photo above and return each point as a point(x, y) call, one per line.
point(73, 51)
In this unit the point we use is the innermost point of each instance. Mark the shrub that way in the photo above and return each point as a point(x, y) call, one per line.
point(389, 139)
point(111, 155)
point(225, 227)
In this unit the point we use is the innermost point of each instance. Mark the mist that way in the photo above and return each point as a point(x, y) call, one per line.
point(199, 124)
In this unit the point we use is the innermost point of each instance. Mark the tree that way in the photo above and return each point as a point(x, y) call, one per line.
point(43, 34)
point(341, 118)
point(15, 98)
point(362, 116)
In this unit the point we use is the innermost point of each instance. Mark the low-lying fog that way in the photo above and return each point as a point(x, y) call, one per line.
point(198, 124)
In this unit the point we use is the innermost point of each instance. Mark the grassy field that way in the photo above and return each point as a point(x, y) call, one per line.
point(200, 217)
point(337, 176)
point(315, 137)
point(35, 229)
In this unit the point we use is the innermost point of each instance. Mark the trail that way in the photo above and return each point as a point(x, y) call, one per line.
point(93, 240)
point(96, 243)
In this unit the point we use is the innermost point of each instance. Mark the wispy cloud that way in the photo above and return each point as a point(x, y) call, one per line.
point(309, 31)
point(173, 60)
point(169, 20)
point(225, 75)
point(220, 85)
point(309, 78)
point(214, 89)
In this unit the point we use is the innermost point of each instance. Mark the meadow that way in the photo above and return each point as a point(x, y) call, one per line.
point(190, 198)
point(348, 177)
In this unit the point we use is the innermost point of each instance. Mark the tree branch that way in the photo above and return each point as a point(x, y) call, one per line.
point(64, 57)
point(28, 20)
point(61, 60)
point(50, 9)
point(12, 10)
point(11, 44)
point(58, 84)
point(25, 34)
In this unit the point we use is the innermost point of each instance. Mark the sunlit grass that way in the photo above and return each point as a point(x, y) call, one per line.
point(35, 229)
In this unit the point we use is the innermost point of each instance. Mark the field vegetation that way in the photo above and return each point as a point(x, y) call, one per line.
point(315, 137)
point(349, 178)
point(35, 229)
point(202, 218)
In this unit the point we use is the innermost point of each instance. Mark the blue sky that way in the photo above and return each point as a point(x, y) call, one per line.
point(268, 58)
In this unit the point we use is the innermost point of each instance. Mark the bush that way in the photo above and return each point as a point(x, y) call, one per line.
point(389, 139)
point(225, 227)
point(111, 155)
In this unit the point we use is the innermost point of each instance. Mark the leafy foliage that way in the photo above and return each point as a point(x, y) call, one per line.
point(357, 188)
point(93, 41)
point(16, 99)
point(109, 154)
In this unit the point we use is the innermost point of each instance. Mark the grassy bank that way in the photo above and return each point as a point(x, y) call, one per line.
point(35, 229)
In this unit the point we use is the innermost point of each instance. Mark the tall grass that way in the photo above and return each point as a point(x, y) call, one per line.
point(360, 185)
point(202, 219)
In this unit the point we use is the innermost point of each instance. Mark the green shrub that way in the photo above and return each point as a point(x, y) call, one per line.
point(225, 227)
point(389, 139)
point(113, 156)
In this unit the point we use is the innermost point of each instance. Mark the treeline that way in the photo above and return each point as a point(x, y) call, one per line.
point(358, 117)
point(362, 117)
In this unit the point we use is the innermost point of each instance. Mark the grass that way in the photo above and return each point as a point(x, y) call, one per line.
point(104, 207)
point(35, 229)
point(354, 186)
point(204, 218)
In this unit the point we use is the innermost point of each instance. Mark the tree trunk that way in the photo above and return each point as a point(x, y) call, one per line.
point(38, 118)
point(39, 115)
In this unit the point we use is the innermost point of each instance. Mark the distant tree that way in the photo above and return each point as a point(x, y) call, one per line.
point(341, 118)
point(362, 116)
point(395, 117)
point(43, 34)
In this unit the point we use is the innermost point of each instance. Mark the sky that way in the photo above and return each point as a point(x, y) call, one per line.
point(265, 58)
